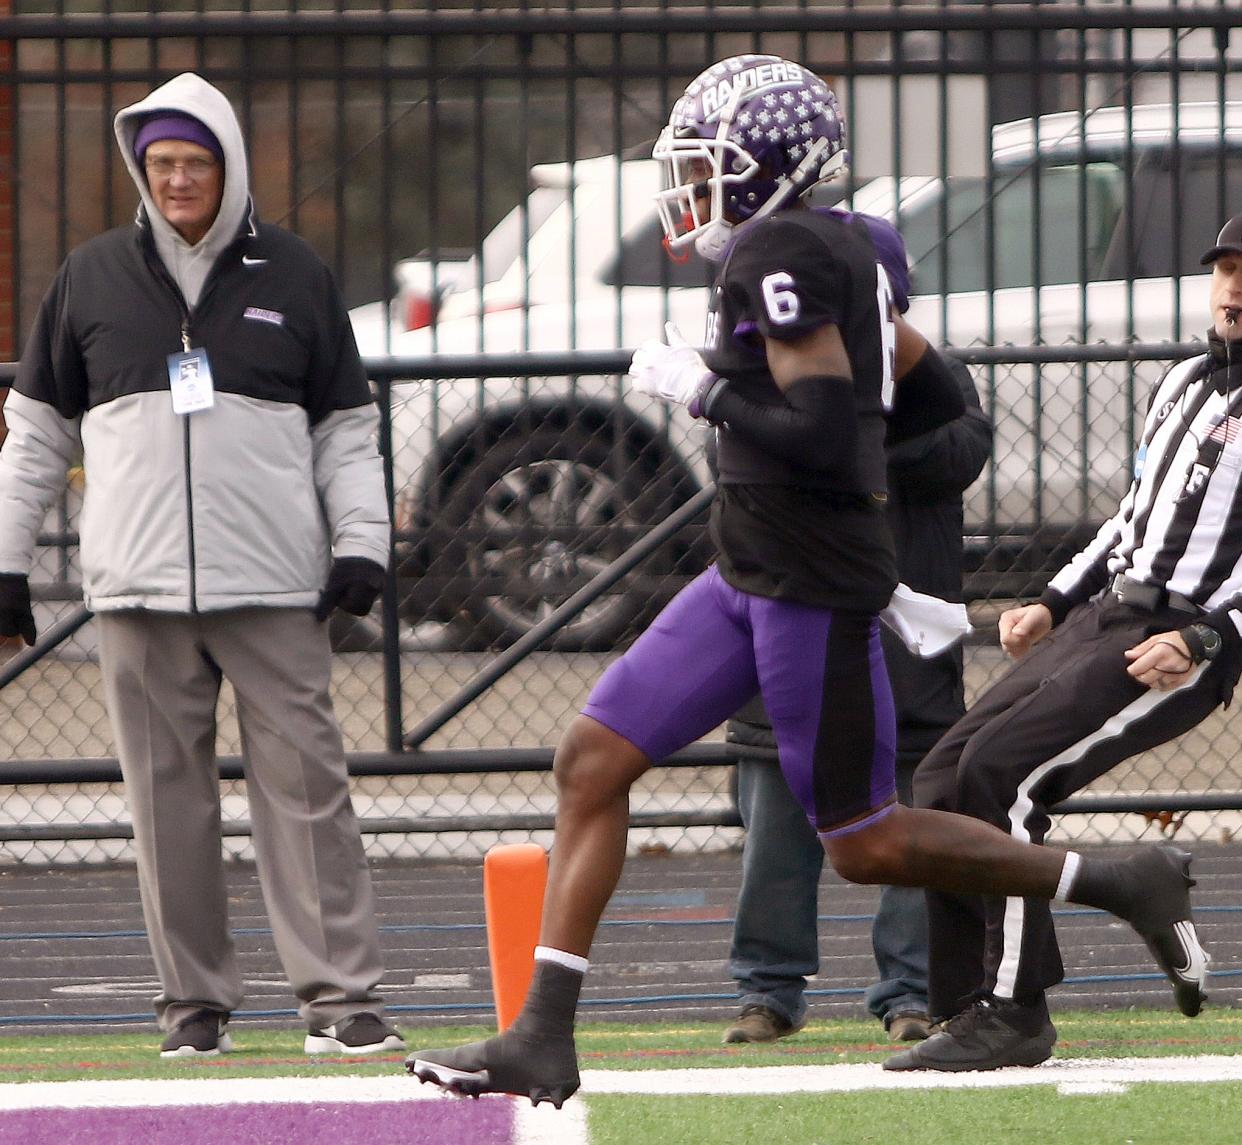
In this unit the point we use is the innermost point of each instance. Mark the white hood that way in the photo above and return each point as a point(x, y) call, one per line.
point(191, 95)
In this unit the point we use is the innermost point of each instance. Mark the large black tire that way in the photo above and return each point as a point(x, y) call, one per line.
point(541, 511)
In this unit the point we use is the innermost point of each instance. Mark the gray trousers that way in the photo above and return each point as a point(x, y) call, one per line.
point(162, 675)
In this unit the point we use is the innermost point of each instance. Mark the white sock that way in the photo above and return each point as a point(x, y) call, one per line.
point(562, 958)
point(1068, 873)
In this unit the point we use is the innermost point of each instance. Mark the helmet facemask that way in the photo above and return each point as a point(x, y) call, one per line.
point(702, 177)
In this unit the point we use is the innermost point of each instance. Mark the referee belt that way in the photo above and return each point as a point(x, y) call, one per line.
point(1150, 597)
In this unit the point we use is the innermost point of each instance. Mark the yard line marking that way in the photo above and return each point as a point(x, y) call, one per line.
point(1091, 1088)
point(544, 1125)
point(852, 1078)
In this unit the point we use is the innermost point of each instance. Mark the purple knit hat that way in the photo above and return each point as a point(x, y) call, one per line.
point(175, 125)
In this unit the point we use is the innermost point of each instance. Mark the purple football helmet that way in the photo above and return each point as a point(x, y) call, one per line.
point(749, 136)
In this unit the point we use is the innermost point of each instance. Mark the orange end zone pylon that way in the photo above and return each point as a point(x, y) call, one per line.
point(514, 875)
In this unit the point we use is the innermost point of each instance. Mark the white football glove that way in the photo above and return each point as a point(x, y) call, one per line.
point(672, 370)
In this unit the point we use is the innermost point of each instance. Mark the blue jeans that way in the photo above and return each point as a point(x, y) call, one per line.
point(775, 934)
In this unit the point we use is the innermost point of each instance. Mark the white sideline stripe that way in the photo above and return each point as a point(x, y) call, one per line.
point(143, 1092)
point(541, 1125)
point(1078, 1074)
point(868, 1076)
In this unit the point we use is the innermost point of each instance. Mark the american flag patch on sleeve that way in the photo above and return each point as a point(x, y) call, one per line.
point(1225, 430)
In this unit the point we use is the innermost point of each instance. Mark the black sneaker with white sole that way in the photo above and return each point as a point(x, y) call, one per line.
point(1163, 920)
point(198, 1035)
point(991, 1034)
point(543, 1067)
point(362, 1033)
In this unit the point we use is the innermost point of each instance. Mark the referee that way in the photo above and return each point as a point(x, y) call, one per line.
point(1134, 642)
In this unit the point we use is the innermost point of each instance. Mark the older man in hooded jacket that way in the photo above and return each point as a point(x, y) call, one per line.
point(202, 366)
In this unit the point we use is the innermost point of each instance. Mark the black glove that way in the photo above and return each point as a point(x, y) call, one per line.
point(353, 585)
point(16, 617)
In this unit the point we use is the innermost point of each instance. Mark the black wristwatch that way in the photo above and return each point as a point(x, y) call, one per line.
point(1203, 641)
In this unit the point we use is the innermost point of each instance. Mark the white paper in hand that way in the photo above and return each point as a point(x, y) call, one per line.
point(926, 624)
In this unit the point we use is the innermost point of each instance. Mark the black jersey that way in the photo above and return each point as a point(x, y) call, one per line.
point(781, 530)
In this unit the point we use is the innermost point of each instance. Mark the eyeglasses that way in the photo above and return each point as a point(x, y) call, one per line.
point(196, 168)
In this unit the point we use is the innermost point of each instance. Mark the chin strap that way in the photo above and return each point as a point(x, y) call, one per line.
point(714, 240)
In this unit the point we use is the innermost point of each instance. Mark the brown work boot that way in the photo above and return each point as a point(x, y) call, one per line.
point(758, 1023)
point(907, 1026)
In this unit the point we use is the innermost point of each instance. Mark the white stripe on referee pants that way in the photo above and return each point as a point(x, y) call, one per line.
point(1114, 726)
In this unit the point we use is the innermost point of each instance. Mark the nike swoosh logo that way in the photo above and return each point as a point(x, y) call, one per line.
point(1197, 958)
point(248, 261)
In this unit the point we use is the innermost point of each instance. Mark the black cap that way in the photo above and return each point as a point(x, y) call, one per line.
point(1229, 241)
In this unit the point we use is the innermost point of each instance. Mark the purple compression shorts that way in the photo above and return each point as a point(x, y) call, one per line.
point(821, 672)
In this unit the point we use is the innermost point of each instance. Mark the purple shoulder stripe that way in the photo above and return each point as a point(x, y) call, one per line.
point(890, 251)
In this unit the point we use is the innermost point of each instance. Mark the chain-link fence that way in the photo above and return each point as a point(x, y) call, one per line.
point(477, 180)
point(519, 502)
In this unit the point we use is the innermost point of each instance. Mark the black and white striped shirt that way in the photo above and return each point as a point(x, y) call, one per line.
point(1179, 525)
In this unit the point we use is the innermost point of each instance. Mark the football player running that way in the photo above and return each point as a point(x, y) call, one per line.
point(805, 371)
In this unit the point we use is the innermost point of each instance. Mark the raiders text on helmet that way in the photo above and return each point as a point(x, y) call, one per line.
point(749, 136)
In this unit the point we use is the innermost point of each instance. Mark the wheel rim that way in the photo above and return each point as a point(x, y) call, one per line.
point(541, 525)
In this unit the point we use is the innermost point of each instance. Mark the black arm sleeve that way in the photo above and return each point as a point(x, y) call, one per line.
point(927, 397)
point(816, 427)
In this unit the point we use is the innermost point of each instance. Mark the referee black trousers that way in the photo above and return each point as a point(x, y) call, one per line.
point(1063, 716)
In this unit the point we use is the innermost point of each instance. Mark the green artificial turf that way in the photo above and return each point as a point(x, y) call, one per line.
point(77, 1053)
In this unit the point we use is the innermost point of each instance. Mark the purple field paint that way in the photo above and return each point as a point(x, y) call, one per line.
point(465, 1122)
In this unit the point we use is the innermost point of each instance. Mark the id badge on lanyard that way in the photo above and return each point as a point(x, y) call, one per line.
point(189, 376)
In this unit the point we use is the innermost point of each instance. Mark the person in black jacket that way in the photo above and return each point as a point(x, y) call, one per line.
point(202, 365)
point(775, 941)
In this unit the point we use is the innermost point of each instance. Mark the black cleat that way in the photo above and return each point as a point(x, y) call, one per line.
point(542, 1067)
point(1163, 920)
point(990, 1034)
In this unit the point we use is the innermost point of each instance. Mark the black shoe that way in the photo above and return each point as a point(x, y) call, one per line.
point(1163, 920)
point(362, 1033)
point(543, 1067)
point(990, 1035)
point(758, 1023)
point(198, 1035)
